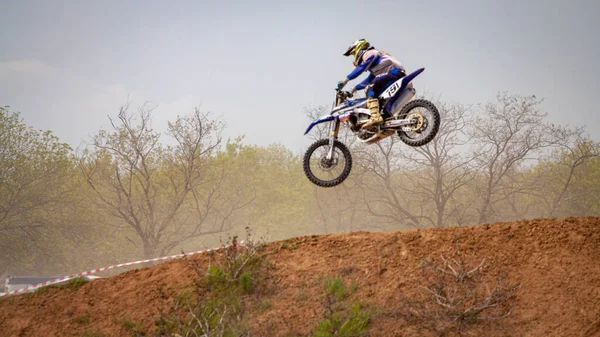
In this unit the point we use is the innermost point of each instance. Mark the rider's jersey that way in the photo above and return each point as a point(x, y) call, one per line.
point(377, 63)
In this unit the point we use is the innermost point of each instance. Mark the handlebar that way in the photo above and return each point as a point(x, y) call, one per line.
point(343, 94)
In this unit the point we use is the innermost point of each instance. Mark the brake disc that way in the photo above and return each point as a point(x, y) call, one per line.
point(419, 118)
point(328, 164)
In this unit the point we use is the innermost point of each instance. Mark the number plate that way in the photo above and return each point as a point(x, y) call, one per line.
point(392, 90)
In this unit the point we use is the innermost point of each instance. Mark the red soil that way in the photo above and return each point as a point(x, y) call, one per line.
point(556, 262)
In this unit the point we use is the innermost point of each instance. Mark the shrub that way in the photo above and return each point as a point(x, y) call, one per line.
point(458, 295)
point(339, 317)
point(216, 306)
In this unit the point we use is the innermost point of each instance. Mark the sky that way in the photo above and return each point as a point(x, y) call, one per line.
point(256, 65)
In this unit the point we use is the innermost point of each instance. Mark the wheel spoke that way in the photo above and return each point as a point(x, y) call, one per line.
point(428, 120)
point(323, 171)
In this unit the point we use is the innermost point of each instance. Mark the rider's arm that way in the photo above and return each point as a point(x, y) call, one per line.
point(362, 67)
point(364, 83)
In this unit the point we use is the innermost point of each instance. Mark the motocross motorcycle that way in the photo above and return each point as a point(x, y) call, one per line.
point(327, 162)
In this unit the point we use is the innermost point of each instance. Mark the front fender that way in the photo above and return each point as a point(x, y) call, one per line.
point(323, 119)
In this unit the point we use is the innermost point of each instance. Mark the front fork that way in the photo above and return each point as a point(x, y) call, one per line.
point(335, 128)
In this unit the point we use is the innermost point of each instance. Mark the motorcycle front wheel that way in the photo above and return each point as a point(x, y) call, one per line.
point(327, 172)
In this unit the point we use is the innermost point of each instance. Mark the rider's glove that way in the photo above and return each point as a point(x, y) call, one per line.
point(341, 84)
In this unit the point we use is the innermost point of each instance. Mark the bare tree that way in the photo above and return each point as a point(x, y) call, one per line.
point(322, 131)
point(319, 131)
point(443, 166)
point(506, 135)
point(518, 195)
point(338, 208)
point(361, 194)
point(558, 171)
point(146, 184)
point(384, 184)
point(218, 200)
point(374, 187)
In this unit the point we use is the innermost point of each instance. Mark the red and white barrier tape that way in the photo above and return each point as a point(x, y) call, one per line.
point(97, 270)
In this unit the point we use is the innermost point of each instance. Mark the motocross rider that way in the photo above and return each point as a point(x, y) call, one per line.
point(384, 70)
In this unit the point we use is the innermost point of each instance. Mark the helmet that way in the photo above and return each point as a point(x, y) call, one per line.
point(357, 49)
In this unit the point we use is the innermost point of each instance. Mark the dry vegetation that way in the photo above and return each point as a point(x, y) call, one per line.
point(528, 278)
point(456, 295)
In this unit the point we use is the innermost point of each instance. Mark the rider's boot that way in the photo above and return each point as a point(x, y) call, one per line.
point(376, 119)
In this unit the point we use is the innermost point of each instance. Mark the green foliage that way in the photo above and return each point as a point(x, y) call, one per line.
point(352, 323)
point(165, 186)
point(83, 319)
point(246, 282)
point(216, 277)
point(336, 286)
point(74, 283)
point(35, 171)
point(219, 314)
point(340, 317)
point(134, 329)
point(290, 247)
point(93, 334)
point(265, 304)
point(181, 194)
point(570, 176)
point(43, 290)
point(217, 307)
point(339, 288)
point(239, 269)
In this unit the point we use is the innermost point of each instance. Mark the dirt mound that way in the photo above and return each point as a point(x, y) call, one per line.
point(555, 261)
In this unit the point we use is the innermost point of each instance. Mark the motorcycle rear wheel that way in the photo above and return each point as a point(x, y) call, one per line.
point(327, 165)
point(428, 126)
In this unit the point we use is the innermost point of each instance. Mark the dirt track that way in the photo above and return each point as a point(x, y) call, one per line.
point(556, 261)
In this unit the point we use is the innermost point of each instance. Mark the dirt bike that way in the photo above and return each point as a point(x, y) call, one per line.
point(415, 122)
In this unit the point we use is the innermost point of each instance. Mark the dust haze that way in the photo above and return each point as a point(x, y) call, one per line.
point(174, 133)
point(130, 193)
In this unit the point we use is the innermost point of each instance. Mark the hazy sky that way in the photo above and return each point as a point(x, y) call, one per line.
point(67, 64)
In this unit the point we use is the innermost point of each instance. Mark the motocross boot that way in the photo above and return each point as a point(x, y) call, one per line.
point(376, 119)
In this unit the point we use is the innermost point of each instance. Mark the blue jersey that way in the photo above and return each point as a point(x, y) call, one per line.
point(376, 63)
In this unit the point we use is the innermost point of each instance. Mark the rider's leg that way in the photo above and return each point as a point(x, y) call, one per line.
point(379, 84)
point(373, 105)
point(396, 75)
